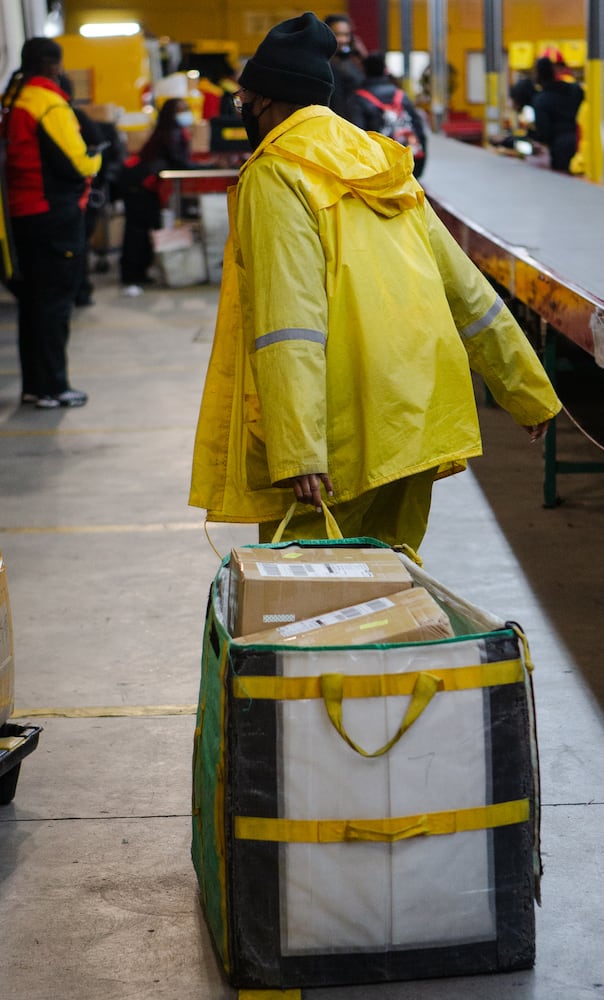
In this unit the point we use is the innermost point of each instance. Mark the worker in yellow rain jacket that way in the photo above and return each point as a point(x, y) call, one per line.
point(348, 322)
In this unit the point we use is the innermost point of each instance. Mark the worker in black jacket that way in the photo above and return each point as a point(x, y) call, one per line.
point(379, 105)
point(556, 107)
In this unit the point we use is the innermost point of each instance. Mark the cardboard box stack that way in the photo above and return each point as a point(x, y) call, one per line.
point(406, 616)
point(324, 596)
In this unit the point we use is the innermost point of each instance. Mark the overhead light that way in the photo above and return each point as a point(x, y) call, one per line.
point(53, 25)
point(109, 30)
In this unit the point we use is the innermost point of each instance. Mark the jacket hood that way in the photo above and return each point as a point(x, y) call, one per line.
point(344, 160)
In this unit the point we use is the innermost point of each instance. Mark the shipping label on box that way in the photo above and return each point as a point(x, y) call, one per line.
point(200, 137)
point(407, 616)
point(275, 586)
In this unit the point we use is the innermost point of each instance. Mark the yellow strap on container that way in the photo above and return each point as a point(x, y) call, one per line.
point(530, 666)
point(332, 530)
point(378, 685)
point(336, 831)
point(332, 689)
point(410, 553)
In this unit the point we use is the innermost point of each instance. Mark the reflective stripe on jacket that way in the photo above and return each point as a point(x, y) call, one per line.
point(346, 320)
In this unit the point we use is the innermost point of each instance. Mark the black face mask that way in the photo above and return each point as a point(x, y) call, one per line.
point(251, 124)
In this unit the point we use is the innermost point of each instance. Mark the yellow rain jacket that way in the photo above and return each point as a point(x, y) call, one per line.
point(347, 318)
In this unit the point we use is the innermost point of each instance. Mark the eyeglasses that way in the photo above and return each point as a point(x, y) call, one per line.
point(237, 99)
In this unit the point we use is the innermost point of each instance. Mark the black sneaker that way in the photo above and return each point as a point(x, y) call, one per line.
point(71, 397)
point(28, 398)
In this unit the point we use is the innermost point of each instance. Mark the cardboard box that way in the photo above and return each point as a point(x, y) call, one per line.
point(82, 81)
point(136, 139)
point(182, 267)
point(108, 113)
point(277, 586)
point(407, 616)
point(200, 137)
point(7, 664)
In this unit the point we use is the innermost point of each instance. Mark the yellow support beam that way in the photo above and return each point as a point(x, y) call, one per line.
point(594, 79)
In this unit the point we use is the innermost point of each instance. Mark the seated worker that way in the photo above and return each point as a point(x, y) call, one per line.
point(556, 108)
point(168, 148)
point(381, 106)
point(522, 96)
point(348, 325)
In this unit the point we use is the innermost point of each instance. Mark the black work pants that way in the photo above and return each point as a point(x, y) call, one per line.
point(142, 214)
point(49, 249)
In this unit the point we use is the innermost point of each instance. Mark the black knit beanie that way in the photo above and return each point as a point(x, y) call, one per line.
point(38, 53)
point(292, 63)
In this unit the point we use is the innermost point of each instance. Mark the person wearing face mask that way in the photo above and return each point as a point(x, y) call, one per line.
point(348, 324)
point(168, 148)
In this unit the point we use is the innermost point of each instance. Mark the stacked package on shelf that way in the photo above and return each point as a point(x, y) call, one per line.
point(365, 788)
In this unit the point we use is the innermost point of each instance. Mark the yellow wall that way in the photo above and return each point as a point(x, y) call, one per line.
point(185, 20)
point(107, 70)
point(247, 23)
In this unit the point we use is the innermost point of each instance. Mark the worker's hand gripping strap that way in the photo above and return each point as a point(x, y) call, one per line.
point(331, 526)
point(332, 689)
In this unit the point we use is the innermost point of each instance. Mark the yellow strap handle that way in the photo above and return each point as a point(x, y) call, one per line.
point(385, 830)
point(332, 689)
point(331, 525)
point(375, 834)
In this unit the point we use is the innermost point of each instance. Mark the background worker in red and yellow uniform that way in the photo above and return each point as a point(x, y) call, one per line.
point(48, 174)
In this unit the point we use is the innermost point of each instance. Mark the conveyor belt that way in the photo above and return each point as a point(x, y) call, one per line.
point(541, 236)
point(538, 233)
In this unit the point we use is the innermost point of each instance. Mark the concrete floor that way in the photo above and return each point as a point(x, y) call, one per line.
point(108, 574)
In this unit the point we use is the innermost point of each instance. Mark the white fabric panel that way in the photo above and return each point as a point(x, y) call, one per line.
point(415, 892)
